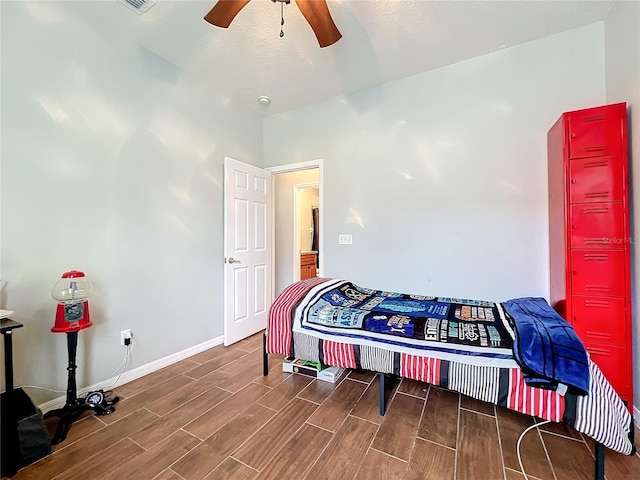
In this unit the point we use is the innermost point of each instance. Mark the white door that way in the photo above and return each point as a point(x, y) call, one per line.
point(247, 249)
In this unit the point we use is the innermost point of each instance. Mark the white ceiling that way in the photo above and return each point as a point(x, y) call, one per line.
point(382, 40)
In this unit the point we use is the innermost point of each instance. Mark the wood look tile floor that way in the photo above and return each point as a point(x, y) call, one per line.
point(214, 416)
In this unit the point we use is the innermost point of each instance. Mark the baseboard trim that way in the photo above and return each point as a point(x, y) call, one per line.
point(138, 372)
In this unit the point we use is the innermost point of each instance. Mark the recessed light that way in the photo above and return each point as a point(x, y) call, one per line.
point(264, 100)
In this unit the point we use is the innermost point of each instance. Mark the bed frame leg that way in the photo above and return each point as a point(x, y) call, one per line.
point(385, 384)
point(599, 461)
point(265, 357)
point(382, 390)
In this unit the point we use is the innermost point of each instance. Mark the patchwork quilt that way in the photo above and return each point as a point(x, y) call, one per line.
point(442, 327)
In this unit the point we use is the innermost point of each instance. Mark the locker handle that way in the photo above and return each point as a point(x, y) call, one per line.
point(595, 148)
point(596, 287)
point(595, 241)
point(594, 118)
point(596, 194)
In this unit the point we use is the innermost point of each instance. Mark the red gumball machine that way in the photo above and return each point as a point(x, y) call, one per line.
point(72, 292)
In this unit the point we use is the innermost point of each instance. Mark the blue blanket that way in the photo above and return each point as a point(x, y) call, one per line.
point(546, 347)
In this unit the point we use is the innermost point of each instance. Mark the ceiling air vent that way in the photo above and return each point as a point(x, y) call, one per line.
point(139, 6)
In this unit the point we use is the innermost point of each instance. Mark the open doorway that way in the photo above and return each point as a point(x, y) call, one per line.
point(306, 217)
point(297, 222)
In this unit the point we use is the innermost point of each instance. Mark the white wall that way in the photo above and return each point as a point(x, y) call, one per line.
point(622, 53)
point(441, 178)
point(284, 197)
point(111, 164)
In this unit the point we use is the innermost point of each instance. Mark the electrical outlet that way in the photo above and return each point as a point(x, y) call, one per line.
point(124, 335)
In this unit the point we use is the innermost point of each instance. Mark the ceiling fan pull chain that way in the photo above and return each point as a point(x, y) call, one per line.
point(281, 19)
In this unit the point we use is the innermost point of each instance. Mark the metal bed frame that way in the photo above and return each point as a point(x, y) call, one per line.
point(599, 454)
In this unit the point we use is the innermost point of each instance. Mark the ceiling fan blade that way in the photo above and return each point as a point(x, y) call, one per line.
point(317, 14)
point(223, 12)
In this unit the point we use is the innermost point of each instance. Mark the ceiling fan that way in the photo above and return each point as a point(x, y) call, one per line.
point(316, 13)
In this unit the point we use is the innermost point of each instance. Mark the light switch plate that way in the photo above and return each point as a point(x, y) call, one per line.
point(345, 239)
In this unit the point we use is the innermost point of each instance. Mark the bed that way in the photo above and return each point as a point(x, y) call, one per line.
point(519, 354)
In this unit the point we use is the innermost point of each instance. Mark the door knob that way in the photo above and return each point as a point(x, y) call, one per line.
point(233, 260)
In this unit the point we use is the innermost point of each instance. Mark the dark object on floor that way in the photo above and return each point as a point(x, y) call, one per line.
point(24, 434)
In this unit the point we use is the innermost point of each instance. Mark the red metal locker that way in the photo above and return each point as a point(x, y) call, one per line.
point(596, 179)
point(597, 225)
point(595, 132)
point(589, 239)
point(600, 319)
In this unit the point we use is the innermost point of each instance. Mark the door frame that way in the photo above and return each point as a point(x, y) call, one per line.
point(296, 167)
